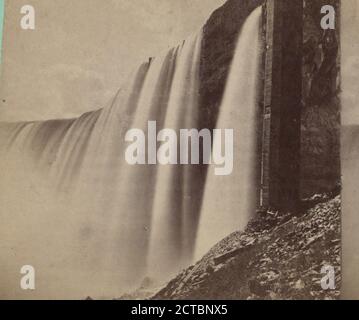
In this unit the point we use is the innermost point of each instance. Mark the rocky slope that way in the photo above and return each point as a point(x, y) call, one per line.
point(279, 256)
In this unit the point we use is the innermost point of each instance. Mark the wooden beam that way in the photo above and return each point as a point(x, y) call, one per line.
point(280, 163)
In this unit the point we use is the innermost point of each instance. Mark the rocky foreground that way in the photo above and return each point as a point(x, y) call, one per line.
point(279, 256)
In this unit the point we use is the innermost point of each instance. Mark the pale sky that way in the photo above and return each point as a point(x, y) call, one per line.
point(350, 61)
point(81, 50)
point(1, 24)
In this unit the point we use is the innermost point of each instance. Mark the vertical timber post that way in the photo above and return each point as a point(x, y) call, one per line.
point(280, 163)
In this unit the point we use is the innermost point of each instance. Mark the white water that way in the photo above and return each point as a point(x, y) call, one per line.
point(229, 201)
point(175, 203)
point(93, 225)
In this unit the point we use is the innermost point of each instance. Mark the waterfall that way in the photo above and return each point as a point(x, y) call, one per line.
point(175, 203)
point(229, 201)
point(71, 202)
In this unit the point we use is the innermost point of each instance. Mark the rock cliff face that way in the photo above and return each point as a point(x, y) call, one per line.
point(320, 158)
point(219, 41)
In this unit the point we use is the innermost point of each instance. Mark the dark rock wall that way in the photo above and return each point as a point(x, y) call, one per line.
point(282, 103)
point(320, 159)
point(219, 41)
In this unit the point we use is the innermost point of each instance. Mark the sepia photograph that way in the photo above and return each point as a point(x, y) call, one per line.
point(179, 150)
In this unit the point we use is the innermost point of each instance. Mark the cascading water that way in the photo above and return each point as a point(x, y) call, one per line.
point(229, 200)
point(175, 204)
point(71, 202)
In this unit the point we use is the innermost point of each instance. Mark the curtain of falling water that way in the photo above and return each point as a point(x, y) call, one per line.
point(93, 213)
point(128, 211)
point(229, 201)
point(73, 206)
point(51, 178)
point(175, 203)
